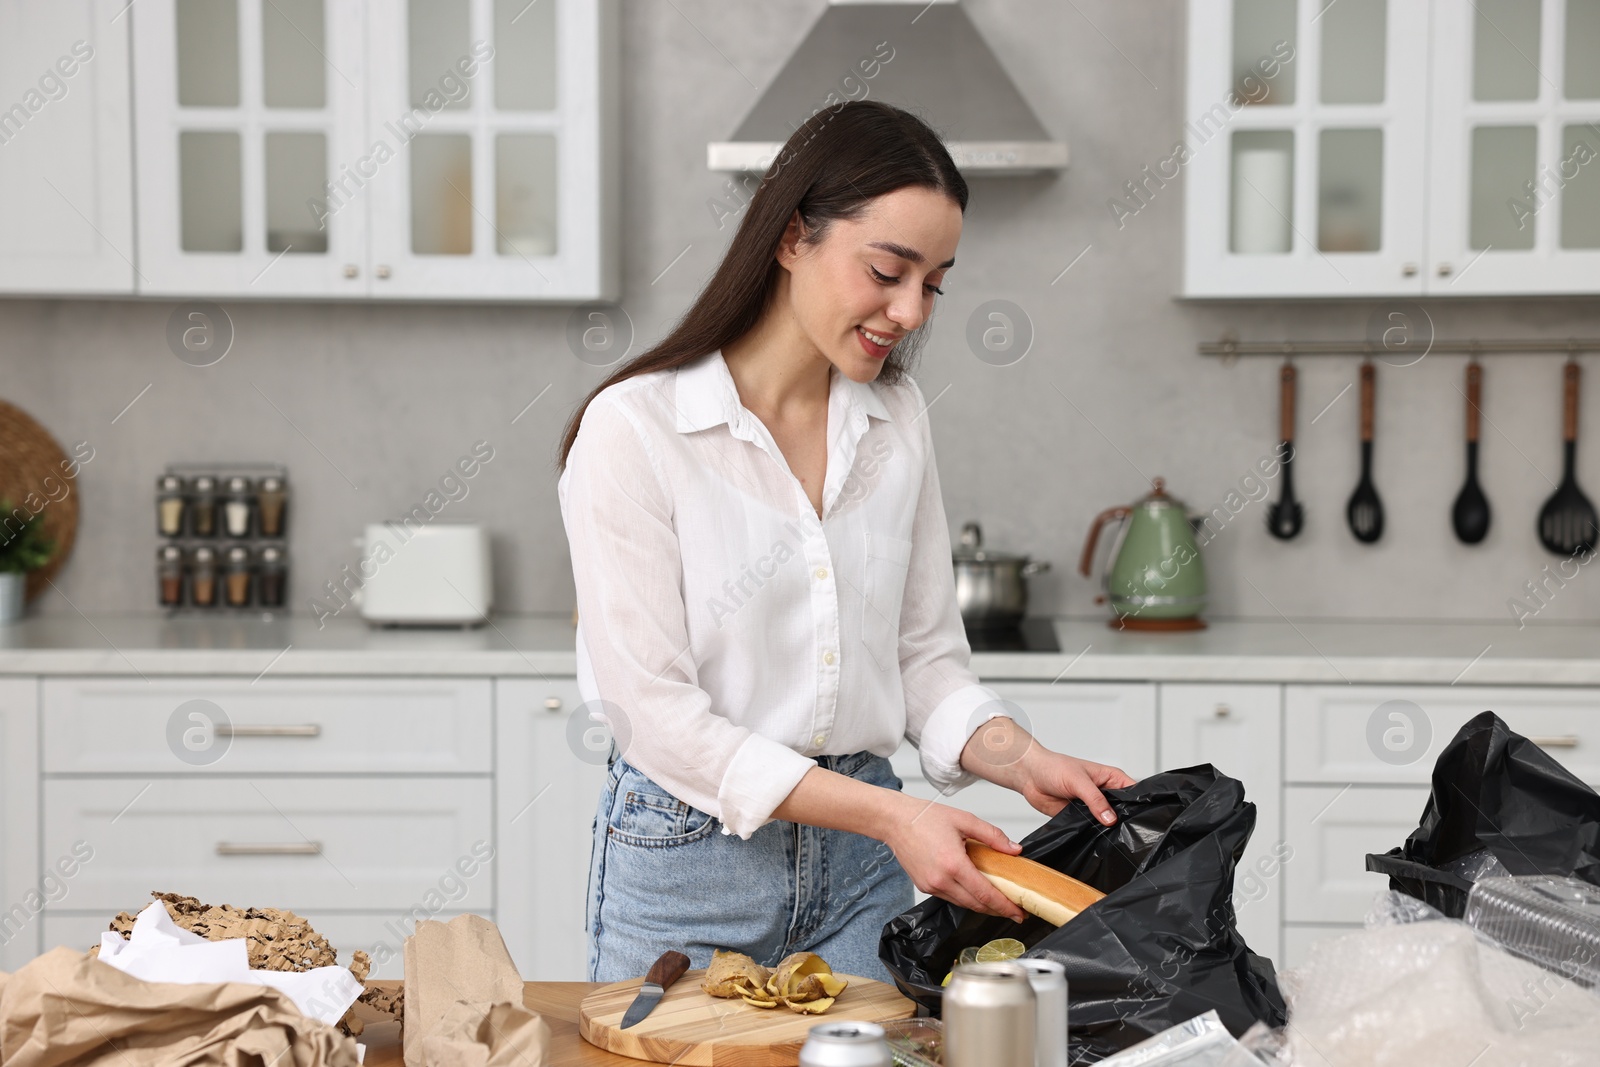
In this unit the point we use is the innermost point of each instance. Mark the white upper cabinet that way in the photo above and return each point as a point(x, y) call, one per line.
point(245, 109)
point(1516, 146)
point(1407, 148)
point(66, 208)
point(414, 149)
point(1305, 145)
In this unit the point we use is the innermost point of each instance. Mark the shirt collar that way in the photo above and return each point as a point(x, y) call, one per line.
point(707, 396)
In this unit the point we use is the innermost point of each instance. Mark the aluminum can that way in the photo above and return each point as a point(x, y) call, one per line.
point(1049, 981)
point(846, 1044)
point(989, 1016)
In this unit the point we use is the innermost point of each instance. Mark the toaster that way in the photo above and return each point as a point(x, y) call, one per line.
point(434, 575)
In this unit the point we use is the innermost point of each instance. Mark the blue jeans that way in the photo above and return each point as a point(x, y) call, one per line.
point(663, 875)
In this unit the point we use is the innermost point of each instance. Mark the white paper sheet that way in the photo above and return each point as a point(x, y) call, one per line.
point(162, 951)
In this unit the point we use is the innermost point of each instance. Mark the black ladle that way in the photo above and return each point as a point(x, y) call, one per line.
point(1470, 516)
point(1286, 516)
point(1365, 510)
point(1567, 522)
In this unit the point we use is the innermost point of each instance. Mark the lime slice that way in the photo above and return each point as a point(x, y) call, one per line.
point(1005, 948)
point(968, 955)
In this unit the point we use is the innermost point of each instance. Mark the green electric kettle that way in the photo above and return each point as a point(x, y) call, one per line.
point(1156, 579)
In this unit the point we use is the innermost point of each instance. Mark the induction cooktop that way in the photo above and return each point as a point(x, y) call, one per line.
point(1030, 635)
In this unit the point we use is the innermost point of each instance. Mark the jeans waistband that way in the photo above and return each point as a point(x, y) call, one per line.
point(847, 764)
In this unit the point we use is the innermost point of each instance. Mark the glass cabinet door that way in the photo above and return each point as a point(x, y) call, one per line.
point(1304, 143)
point(250, 151)
point(1516, 141)
point(482, 106)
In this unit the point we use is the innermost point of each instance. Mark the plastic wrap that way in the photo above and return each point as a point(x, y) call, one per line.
point(1201, 1042)
point(1161, 948)
point(915, 1042)
point(1554, 922)
point(1495, 792)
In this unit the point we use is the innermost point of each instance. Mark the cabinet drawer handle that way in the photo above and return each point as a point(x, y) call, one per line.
point(295, 848)
point(245, 730)
point(552, 703)
point(1223, 711)
point(1556, 741)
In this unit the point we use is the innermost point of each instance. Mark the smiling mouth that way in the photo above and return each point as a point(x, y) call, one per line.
point(881, 340)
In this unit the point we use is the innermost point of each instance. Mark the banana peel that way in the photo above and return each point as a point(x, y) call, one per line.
point(802, 982)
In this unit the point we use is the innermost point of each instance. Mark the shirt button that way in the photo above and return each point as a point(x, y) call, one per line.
point(827, 657)
point(820, 740)
point(822, 572)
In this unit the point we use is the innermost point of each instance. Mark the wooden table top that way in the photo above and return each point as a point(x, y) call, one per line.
point(556, 1001)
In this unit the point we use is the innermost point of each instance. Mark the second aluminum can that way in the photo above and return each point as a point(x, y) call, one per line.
point(1049, 981)
point(989, 1016)
point(846, 1044)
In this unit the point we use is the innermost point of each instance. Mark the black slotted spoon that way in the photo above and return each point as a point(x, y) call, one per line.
point(1470, 516)
point(1365, 510)
point(1567, 522)
point(1285, 516)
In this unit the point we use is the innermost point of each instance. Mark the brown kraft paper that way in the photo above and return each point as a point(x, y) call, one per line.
point(464, 999)
point(65, 1009)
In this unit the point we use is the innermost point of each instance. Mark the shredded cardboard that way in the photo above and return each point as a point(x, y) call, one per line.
point(276, 941)
point(67, 1009)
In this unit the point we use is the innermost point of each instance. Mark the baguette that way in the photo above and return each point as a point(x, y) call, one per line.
point(1033, 887)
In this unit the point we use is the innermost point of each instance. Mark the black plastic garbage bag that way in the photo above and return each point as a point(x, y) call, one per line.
point(1161, 948)
point(1495, 791)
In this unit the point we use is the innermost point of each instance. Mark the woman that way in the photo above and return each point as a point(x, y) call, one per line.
point(765, 594)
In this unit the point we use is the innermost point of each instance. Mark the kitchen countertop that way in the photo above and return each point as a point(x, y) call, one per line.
point(1279, 650)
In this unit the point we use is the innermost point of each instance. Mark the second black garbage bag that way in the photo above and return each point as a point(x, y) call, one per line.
point(1163, 945)
point(1499, 803)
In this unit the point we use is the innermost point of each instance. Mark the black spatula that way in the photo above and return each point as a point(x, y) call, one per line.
point(1567, 522)
point(1365, 510)
point(1286, 516)
point(1470, 516)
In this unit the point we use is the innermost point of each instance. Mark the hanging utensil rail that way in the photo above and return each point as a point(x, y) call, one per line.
point(1230, 349)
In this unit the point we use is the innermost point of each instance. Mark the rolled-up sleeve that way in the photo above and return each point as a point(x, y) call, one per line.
point(627, 568)
point(945, 704)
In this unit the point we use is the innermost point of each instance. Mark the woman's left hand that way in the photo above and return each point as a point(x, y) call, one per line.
point(1004, 753)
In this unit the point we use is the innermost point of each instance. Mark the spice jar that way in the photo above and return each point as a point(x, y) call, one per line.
point(236, 506)
point(169, 505)
point(169, 569)
point(203, 507)
point(273, 576)
point(203, 577)
point(236, 576)
point(270, 502)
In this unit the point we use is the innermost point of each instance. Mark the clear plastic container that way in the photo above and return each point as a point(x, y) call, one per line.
point(1551, 921)
point(915, 1042)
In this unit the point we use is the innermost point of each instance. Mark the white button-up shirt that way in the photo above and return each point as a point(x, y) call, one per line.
point(727, 634)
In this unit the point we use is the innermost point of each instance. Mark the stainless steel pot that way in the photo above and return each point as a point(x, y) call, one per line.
point(991, 587)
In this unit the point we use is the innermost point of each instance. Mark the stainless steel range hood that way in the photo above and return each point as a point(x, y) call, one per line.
point(926, 57)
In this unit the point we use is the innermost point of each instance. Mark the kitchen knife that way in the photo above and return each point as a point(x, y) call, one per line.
point(666, 970)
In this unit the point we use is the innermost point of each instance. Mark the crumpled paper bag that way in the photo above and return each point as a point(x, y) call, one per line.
point(494, 1035)
point(464, 998)
point(65, 1009)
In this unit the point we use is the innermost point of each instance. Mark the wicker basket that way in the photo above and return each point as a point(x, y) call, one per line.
point(38, 477)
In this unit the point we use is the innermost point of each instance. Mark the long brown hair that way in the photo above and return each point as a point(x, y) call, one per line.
point(831, 167)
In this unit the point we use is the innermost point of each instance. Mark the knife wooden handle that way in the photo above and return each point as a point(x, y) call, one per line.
point(668, 969)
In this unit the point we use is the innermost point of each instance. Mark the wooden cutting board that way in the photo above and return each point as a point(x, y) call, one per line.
point(692, 1028)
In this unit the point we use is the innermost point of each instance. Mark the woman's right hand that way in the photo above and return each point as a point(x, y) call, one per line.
point(930, 841)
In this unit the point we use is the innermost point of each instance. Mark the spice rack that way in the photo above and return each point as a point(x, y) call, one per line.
point(223, 529)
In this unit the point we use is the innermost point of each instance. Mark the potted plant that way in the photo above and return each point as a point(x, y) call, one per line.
point(23, 548)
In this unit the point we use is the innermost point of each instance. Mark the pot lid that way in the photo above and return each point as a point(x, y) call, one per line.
point(970, 547)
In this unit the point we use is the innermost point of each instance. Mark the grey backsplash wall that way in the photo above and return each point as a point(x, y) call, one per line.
point(370, 405)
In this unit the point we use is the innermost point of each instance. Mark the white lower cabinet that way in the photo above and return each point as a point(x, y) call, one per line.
point(1332, 829)
point(24, 886)
point(1238, 730)
point(549, 773)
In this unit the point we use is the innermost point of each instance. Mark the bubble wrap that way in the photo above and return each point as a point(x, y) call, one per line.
point(1416, 990)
